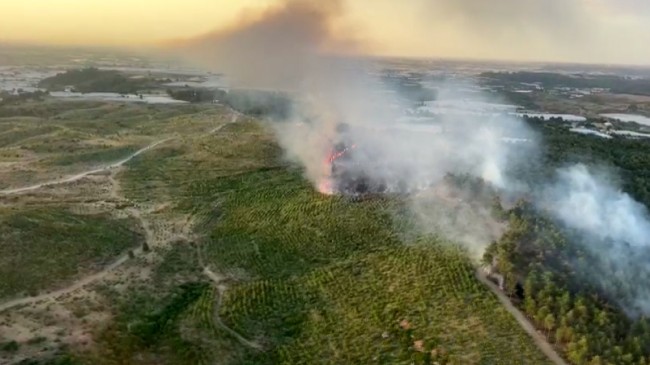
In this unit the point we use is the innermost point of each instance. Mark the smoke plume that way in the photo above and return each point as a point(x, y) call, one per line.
point(278, 47)
point(294, 46)
point(612, 227)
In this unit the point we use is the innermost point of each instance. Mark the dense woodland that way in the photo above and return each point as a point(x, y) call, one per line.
point(95, 80)
point(276, 105)
point(550, 275)
point(573, 313)
point(197, 95)
point(616, 84)
point(628, 158)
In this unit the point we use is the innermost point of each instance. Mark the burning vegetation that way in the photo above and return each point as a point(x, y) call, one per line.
point(345, 174)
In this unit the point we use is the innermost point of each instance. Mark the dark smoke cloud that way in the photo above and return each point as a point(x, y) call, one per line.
point(277, 47)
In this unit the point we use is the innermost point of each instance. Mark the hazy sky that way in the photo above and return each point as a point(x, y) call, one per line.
point(602, 31)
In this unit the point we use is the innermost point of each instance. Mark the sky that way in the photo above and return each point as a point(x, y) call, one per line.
point(592, 31)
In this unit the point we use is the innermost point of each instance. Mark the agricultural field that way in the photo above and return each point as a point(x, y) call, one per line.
point(228, 254)
point(295, 276)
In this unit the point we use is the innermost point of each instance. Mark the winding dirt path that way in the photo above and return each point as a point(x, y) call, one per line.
point(90, 279)
point(72, 288)
point(217, 320)
point(81, 175)
point(540, 340)
point(149, 236)
point(218, 282)
point(87, 280)
point(233, 119)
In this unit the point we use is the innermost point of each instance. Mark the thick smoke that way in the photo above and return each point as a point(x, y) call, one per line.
point(280, 47)
point(290, 47)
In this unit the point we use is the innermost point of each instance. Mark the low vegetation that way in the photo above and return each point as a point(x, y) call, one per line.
point(45, 248)
point(101, 155)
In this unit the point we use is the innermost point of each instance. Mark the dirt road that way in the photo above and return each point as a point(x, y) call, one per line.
point(233, 119)
point(149, 237)
point(72, 288)
point(81, 175)
point(540, 340)
point(117, 263)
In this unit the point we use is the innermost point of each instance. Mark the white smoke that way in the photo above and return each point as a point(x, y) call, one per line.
point(586, 202)
point(615, 230)
point(406, 156)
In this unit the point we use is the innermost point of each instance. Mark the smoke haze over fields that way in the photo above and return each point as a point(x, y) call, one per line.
point(290, 47)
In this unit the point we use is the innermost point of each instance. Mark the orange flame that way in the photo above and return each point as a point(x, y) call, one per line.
point(326, 185)
point(335, 156)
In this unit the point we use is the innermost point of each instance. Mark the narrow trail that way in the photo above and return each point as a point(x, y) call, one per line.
point(219, 322)
point(90, 279)
point(218, 282)
point(81, 175)
point(72, 288)
point(149, 236)
point(540, 340)
point(114, 193)
point(233, 119)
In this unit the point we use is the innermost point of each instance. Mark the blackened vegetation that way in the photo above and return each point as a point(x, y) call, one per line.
point(353, 178)
point(348, 175)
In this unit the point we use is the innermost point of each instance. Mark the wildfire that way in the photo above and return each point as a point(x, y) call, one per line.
point(326, 185)
point(336, 155)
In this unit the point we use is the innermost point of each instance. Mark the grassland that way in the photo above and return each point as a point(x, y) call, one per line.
point(45, 248)
point(41, 141)
point(47, 239)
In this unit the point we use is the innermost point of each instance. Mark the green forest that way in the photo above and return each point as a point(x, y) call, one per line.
point(616, 84)
point(548, 272)
point(95, 80)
